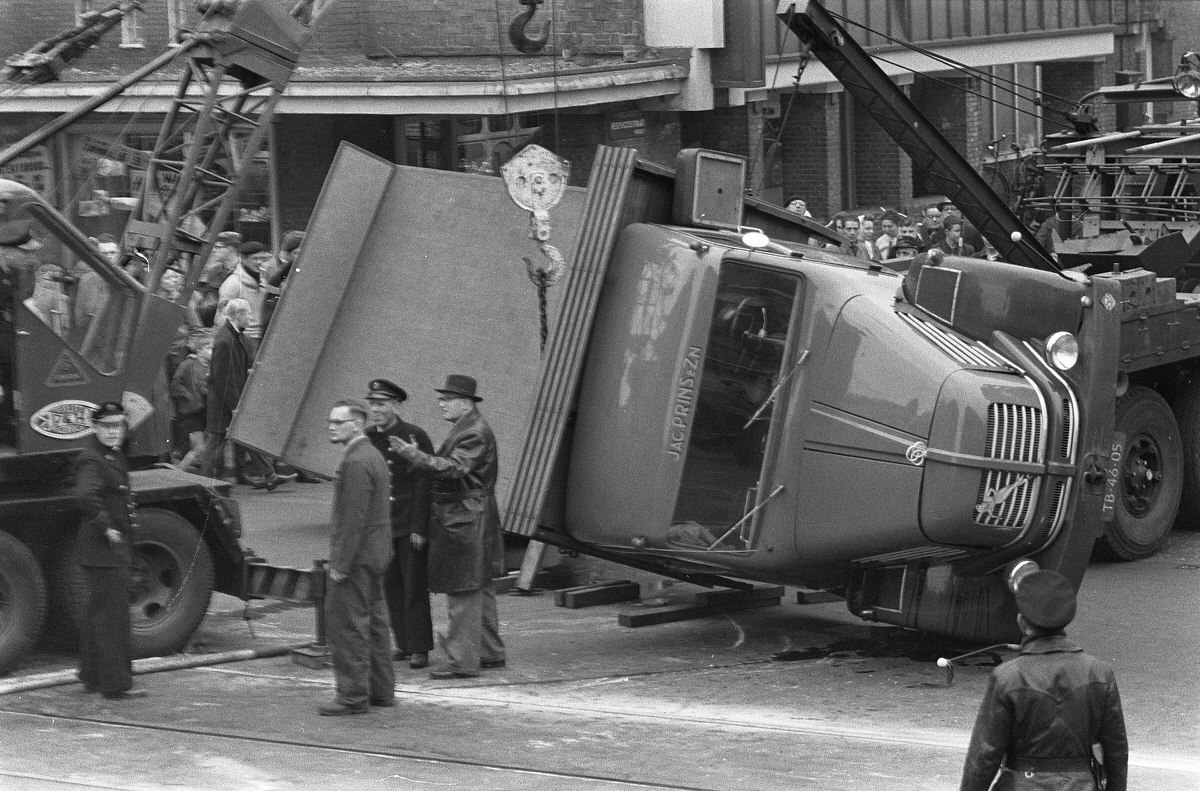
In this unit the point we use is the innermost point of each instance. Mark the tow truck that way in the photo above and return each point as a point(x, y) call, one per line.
point(722, 401)
point(234, 64)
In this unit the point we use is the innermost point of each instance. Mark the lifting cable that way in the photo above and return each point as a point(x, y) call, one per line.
point(1009, 86)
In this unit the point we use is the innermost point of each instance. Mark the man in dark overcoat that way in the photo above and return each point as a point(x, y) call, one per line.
point(227, 373)
point(360, 548)
point(406, 583)
point(466, 549)
point(104, 548)
point(1043, 710)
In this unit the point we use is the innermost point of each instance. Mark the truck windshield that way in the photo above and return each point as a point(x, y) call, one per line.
point(743, 362)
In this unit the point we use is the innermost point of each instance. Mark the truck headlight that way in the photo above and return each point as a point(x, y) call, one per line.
point(1062, 350)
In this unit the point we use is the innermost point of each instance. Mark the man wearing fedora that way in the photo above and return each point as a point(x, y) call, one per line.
point(405, 583)
point(104, 548)
point(1043, 710)
point(466, 549)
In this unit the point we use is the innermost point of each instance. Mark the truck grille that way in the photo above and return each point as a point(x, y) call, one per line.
point(1014, 432)
point(1007, 498)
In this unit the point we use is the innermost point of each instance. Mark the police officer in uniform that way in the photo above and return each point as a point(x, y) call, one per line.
point(104, 548)
point(405, 583)
point(1043, 710)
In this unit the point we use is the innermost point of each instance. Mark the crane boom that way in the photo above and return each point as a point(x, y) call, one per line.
point(931, 153)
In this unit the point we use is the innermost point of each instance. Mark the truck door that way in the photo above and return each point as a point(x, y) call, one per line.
point(746, 366)
point(74, 318)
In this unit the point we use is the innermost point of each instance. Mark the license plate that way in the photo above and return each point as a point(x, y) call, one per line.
point(1112, 481)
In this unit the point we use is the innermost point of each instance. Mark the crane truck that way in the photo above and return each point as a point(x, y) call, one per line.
point(234, 64)
point(722, 401)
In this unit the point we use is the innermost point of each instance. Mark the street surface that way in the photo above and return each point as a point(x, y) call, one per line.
point(587, 704)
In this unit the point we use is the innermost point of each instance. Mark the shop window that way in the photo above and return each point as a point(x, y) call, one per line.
point(485, 143)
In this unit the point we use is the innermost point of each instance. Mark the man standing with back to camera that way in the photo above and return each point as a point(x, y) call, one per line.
point(466, 549)
point(406, 581)
point(1043, 710)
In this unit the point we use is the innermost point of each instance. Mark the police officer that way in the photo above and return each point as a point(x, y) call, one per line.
point(405, 583)
point(1043, 710)
point(104, 548)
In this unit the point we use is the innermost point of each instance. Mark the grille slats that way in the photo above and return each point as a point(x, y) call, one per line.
point(1007, 499)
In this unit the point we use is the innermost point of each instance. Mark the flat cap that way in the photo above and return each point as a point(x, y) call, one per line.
point(291, 241)
point(250, 248)
point(382, 389)
point(1046, 599)
point(107, 411)
point(229, 237)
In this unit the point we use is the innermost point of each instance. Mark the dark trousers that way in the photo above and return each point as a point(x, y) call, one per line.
point(245, 461)
point(360, 643)
point(406, 585)
point(105, 662)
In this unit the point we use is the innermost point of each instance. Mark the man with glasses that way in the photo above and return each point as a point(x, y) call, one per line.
point(360, 548)
point(466, 550)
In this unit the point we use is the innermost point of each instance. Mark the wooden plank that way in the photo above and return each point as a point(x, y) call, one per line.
point(603, 593)
point(684, 612)
point(807, 596)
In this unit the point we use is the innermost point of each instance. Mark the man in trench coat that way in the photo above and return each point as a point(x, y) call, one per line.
point(1043, 710)
point(466, 550)
point(360, 548)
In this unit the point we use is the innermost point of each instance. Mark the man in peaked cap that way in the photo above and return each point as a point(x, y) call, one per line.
point(466, 550)
point(405, 583)
point(1043, 710)
point(104, 548)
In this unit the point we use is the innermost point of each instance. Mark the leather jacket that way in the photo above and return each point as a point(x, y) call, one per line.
point(1040, 716)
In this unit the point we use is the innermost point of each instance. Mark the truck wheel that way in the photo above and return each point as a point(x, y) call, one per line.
point(170, 584)
point(22, 600)
point(1187, 412)
point(1151, 477)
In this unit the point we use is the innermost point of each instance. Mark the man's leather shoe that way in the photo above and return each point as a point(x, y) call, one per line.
point(125, 694)
point(400, 656)
point(445, 672)
point(418, 661)
point(252, 481)
point(340, 709)
point(492, 664)
point(274, 479)
point(383, 703)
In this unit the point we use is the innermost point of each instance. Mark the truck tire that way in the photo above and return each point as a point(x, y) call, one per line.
point(1151, 477)
point(22, 600)
point(171, 582)
point(1187, 413)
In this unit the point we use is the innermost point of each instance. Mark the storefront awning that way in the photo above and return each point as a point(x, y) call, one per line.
point(429, 94)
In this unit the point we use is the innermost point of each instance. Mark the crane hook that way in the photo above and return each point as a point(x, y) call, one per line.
point(516, 29)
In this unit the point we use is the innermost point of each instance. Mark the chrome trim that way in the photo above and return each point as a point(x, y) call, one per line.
point(916, 553)
point(1015, 432)
point(1072, 422)
point(968, 353)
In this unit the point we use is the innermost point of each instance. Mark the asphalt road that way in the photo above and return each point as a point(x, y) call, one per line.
point(588, 704)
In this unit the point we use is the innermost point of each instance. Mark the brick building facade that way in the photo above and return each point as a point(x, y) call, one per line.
point(442, 87)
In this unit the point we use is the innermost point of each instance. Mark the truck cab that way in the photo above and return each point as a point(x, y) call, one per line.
point(789, 413)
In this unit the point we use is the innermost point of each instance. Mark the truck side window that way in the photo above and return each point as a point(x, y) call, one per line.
point(753, 314)
point(91, 306)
